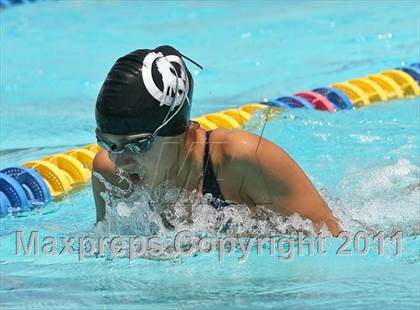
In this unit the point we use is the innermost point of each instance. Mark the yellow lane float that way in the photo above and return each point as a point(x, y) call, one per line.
point(222, 120)
point(240, 115)
point(230, 118)
point(407, 84)
point(85, 156)
point(388, 85)
point(205, 123)
point(56, 180)
point(373, 91)
point(355, 94)
point(93, 147)
point(252, 107)
point(71, 167)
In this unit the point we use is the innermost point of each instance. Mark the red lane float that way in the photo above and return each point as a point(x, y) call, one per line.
point(317, 100)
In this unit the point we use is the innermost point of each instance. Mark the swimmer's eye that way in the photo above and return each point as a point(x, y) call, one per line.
point(140, 146)
point(137, 144)
point(110, 147)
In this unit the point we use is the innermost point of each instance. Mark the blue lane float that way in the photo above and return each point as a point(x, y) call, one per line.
point(416, 65)
point(33, 184)
point(4, 204)
point(8, 3)
point(288, 102)
point(413, 70)
point(15, 194)
point(336, 97)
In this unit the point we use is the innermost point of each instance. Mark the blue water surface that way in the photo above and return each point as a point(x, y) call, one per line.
point(54, 58)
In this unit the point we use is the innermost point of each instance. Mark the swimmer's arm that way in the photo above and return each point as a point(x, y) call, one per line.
point(101, 165)
point(271, 178)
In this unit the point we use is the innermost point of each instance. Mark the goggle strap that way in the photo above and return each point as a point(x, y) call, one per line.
point(195, 63)
point(166, 120)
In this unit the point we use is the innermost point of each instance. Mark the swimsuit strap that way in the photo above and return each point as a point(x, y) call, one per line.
point(210, 183)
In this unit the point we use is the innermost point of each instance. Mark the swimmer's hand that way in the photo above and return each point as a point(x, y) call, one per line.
point(332, 225)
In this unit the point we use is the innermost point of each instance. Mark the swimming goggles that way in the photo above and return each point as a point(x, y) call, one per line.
point(138, 143)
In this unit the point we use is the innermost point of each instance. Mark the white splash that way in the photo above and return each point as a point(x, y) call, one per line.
point(382, 198)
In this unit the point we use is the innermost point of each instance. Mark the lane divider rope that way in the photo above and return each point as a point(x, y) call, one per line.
point(36, 182)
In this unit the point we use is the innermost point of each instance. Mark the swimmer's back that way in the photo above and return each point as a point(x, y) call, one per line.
point(260, 173)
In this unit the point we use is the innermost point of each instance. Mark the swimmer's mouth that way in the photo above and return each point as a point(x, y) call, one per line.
point(135, 178)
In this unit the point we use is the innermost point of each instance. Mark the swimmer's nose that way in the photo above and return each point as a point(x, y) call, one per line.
point(123, 160)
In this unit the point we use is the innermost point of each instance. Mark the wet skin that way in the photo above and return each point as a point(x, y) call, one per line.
point(250, 170)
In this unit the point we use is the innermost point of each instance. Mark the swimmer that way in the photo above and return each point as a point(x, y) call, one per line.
point(144, 130)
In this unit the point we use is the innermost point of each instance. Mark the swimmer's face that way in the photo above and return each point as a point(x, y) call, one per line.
point(147, 167)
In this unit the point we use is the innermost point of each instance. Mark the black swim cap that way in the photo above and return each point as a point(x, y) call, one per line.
point(139, 92)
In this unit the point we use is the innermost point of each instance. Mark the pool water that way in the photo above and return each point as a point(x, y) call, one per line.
point(365, 162)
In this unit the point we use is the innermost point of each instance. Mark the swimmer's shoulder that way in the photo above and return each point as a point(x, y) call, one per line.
point(236, 143)
point(102, 163)
point(230, 146)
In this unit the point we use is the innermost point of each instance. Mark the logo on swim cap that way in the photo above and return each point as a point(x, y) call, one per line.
point(175, 83)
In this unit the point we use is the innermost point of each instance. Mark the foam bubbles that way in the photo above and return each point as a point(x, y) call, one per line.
point(383, 198)
point(167, 210)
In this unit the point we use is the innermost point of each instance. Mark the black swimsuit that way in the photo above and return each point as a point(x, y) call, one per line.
point(210, 186)
point(210, 183)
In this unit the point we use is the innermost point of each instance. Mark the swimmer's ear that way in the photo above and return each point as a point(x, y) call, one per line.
point(191, 134)
point(193, 125)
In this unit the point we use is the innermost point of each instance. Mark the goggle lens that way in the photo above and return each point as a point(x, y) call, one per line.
point(135, 145)
point(139, 146)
